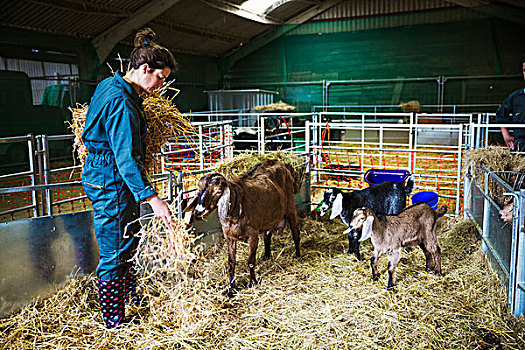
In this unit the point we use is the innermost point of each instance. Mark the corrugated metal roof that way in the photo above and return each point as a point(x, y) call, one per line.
point(194, 26)
point(368, 8)
point(381, 22)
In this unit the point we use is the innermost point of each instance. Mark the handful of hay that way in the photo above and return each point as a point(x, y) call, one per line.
point(164, 122)
point(164, 251)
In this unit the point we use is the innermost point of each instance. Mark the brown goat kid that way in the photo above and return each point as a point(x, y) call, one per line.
point(416, 225)
point(507, 212)
point(259, 201)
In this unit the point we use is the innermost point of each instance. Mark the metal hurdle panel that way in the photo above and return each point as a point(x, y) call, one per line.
point(343, 152)
point(212, 144)
point(503, 243)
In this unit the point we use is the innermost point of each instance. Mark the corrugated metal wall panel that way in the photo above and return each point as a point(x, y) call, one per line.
point(40, 71)
point(366, 8)
point(400, 20)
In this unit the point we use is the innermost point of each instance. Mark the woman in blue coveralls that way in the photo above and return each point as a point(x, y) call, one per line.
point(113, 176)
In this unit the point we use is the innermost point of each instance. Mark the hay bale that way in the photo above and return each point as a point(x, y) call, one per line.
point(243, 162)
point(275, 107)
point(411, 107)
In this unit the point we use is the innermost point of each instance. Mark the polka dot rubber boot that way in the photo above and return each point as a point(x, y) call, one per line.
point(131, 287)
point(111, 298)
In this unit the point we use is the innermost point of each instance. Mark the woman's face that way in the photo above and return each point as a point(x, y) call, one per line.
point(150, 79)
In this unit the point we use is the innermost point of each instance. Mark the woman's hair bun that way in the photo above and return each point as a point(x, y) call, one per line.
point(144, 37)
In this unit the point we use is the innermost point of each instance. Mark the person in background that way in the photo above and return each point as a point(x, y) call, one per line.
point(113, 177)
point(513, 111)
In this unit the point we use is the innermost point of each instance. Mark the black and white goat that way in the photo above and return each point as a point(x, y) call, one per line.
point(387, 198)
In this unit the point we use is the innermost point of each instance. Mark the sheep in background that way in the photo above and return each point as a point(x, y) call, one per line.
point(416, 225)
point(387, 198)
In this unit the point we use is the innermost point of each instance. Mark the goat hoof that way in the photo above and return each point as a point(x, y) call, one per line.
point(375, 277)
point(266, 257)
point(253, 283)
point(231, 292)
point(428, 269)
point(391, 288)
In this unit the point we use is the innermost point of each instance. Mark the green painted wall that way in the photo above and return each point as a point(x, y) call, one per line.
point(467, 48)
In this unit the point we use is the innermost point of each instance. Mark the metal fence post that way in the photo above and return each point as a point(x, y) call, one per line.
point(458, 176)
point(47, 174)
point(201, 148)
point(486, 214)
point(32, 152)
point(519, 301)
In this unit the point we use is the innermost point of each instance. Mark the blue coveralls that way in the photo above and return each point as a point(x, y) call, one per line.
point(113, 176)
point(513, 111)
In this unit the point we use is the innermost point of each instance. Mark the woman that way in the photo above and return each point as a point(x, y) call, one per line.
point(113, 176)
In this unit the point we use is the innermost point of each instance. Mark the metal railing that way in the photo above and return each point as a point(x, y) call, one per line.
point(503, 243)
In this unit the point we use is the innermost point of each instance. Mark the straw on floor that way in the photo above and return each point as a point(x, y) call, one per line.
point(324, 300)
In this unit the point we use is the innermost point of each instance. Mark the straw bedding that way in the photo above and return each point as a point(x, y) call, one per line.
point(324, 300)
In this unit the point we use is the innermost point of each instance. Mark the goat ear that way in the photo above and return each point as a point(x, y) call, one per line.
point(191, 205)
point(337, 206)
point(367, 229)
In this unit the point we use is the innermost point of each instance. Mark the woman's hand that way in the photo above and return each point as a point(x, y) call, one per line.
point(161, 210)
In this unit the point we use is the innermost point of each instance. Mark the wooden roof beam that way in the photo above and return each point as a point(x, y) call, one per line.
point(203, 33)
point(106, 41)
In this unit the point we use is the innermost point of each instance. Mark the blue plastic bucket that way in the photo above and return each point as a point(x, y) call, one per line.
point(377, 176)
point(429, 197)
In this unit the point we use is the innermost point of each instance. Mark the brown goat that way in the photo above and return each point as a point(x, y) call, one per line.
point(507, 212)
point(416, 225)
point(258, 201)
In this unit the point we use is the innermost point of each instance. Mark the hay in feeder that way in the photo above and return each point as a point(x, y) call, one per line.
point(275, 107)
point(494, 158)
point(411, 106)
point(165, 122)
point(243, 162)
point(324, 300)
